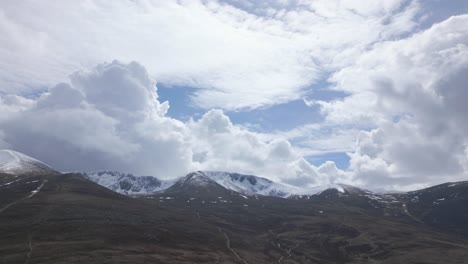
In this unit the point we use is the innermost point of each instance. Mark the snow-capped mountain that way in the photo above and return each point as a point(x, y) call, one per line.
point(126, 183)
point(246, 184)
point(249, 185)
point(13, 162)
point(255, 185)
point(16, 163)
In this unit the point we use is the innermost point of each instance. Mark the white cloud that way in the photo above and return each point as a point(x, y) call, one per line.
point(109, 117)
point(413, 92)
point(238, 58)
point(220, 145)
point(10, 104)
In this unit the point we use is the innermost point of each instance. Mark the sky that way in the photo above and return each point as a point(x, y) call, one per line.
point(305, 92)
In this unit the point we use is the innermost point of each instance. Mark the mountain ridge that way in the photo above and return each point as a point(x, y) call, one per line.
point(250, 185)
point(13, 162)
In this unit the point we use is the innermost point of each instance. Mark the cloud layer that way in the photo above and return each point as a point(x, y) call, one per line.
point(109, 117)
point(235, 58)
point(413, 93)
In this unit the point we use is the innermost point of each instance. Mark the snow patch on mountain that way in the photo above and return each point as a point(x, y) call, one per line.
point(254, 185)
point(248, 185)
point(127, 183)
point(13, 162)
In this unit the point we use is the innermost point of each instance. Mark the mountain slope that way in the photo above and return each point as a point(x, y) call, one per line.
point(73, 220)
point(444, 206)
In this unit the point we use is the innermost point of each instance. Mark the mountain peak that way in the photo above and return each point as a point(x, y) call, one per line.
point(14, 162)
point(197, 178)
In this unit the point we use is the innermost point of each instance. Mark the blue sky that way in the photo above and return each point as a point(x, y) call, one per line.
point(281, 117)
point(278, 117)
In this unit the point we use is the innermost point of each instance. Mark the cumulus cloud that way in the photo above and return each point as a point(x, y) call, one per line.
point(109, 117)
point(217, 144)
point(413, 93)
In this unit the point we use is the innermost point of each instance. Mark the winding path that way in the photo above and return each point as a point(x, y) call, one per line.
point(228, 245)
point(30, 246)
point(24, 198)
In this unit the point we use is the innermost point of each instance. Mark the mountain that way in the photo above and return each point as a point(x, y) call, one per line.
point(198, 185)
point(16, 163)
point(246, 184)
point(126, 183)
point(229, 182)
point(436, 206)
point(207, 217)
point(249, 185)
point(346, 226)
point(253, 185)
point(70, 219)
point(443, 206)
